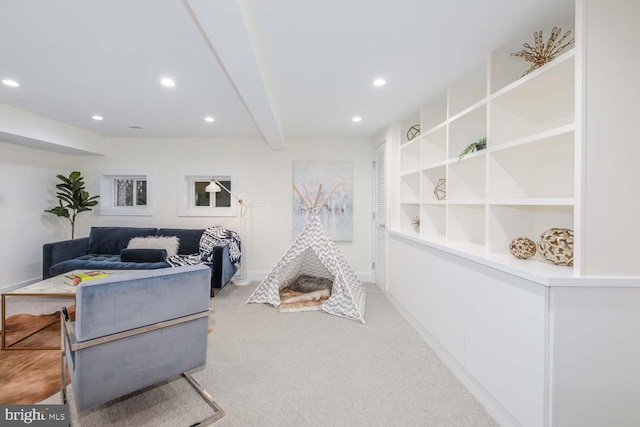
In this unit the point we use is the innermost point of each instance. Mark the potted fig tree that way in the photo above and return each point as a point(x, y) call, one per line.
point(73, 198)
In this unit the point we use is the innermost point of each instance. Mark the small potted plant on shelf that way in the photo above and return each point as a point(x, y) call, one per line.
point(480, 144)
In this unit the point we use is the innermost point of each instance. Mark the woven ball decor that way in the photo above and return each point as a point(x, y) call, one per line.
point(522, 248)
point(556, 246)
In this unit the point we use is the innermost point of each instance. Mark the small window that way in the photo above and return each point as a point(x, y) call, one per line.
point(130, 191)
point(220, 199)
point(125, 194)
point(195, 200)
point(202, 197)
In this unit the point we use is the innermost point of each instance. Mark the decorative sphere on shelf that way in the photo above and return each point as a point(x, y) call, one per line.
point(441, 189)
point(556, 246)
point(522, 248)
point(413, 132)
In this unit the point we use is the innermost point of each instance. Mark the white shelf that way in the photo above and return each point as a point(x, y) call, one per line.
point(407, 213)
point(479, 202)
point(475, 106)
point(467, 179)
point(541, 170)
point(437, 239)
point(415, 140)
point(536, 75)
point(466, 129)
point(466, 224)
point(507, 222)
point(533, 202)
point(536, 103)
point(436, 165)
point(534, 269)
point(433, 220)
point(505, 145)
point(468, 248)
point(436, 128)
point(410, 172)
point(430, 178)
point(467, 157)
point(410, 187)
point(520, 185)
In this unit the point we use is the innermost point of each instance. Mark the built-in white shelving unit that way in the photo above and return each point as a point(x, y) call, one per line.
point(535, 342)
point(519, 186)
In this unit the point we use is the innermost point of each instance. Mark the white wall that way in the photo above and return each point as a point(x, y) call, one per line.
point(263, 179)
point(28, 178)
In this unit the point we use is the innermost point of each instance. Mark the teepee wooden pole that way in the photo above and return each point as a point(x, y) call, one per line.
point(306, 189)
point(315, 204)
point(304, 201)
point(328, 195)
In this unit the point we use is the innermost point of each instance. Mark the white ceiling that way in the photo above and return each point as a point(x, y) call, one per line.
point(279, 69)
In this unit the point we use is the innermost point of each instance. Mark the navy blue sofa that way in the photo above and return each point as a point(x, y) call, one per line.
point(102, 250)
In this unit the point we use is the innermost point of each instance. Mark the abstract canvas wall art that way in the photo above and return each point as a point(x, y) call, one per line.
point(337, 214)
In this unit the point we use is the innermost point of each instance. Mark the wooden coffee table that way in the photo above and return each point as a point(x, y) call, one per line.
point(51, 287)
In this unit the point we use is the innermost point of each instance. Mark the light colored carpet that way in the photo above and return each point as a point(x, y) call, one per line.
point(267, 368)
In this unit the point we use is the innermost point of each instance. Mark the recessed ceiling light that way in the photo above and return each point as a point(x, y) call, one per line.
point(209, 119)
point(168, 82)
point(11, 83)
point(356, 119)
point(98, 118)
point(379, 82)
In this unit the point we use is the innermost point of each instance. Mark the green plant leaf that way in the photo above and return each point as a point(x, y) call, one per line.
point(59, 211)
point(472, 147)
point(72, 197)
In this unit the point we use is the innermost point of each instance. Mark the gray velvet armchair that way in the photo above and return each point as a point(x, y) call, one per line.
point(135, 329)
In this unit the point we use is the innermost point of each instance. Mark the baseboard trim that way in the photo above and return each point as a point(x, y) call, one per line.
point(490, 404)
point(364, 277)
point(257, 275)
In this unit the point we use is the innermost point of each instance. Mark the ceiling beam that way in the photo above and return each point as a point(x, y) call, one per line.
point(224, 30)
point(28, 129)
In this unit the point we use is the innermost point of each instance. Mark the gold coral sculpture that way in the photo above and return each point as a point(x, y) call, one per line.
point(542, 53)
point(415, 222)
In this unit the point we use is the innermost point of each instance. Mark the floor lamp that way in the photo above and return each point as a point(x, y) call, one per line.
point(216, 186)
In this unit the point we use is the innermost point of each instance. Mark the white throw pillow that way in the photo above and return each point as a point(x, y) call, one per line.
point(168, 243)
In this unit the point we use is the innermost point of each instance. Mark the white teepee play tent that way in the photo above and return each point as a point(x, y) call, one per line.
point(313, 253)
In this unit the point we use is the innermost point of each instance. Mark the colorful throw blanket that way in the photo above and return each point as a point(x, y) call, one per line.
point(211, 237)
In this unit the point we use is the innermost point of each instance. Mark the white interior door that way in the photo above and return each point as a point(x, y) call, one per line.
point(380, 219)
